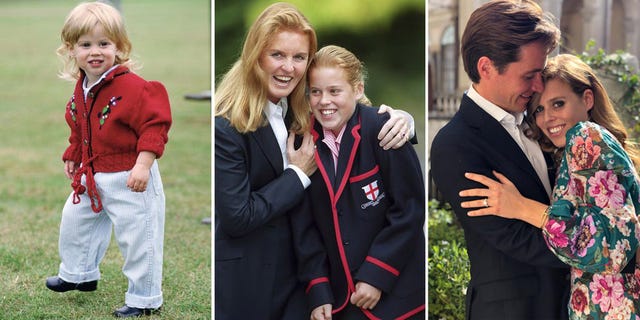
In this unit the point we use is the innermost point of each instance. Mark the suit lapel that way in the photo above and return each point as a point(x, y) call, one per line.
point(266, 141)
point(489, 129)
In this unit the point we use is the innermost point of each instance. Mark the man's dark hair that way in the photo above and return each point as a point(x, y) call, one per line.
point(498, 30)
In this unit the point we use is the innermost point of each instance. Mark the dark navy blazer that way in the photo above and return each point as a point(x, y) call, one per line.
point(255, 264)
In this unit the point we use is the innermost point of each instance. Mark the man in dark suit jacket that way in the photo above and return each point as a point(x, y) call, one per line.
point(513, 273)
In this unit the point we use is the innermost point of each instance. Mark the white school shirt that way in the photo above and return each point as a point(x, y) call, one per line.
point(514, 125)
point(275, 115)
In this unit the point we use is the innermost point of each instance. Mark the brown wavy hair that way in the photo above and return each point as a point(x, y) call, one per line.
point(580, 77)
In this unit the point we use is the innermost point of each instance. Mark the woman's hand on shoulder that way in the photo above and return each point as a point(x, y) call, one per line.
point(500, 198)
point(397, 130)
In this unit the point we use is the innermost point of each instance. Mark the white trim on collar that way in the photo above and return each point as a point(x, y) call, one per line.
point(104, 75)
point(493, 110)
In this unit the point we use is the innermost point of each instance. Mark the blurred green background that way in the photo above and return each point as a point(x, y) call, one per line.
point(388, 35)
point(172, 40)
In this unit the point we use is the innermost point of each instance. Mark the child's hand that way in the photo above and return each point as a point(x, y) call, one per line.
point(138, 178)
point(366, 296)
point(322, 312)
point(70, 168)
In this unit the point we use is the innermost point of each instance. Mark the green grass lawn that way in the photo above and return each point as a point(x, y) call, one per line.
point(172, 40)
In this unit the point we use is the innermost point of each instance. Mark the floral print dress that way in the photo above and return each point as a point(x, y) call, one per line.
point(593, 226)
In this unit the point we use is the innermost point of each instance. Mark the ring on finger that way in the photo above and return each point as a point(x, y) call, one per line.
point(485, 202)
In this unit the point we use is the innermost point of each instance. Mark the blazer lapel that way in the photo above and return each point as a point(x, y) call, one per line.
point(337, 181)
point(490, 129)
point(348, 149)
point(323, 159)
point(266, 141)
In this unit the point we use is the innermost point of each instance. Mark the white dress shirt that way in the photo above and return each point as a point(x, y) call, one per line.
point(275, 115)
point(514, 125)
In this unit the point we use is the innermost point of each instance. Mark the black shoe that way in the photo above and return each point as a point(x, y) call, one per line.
point(58, 285)
point(130, 312)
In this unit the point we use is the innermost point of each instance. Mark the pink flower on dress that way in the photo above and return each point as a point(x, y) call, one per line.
point(576, 186)
point(579, 301)
point(622, 311)
point(605, 189)
point(555, 233)
point(585, 153)
point(608, 291)
point(618, 255)
point(633, 283)
point(583, 238)
point(576, 273)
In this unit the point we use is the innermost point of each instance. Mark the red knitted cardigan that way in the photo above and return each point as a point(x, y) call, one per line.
point(122, 115)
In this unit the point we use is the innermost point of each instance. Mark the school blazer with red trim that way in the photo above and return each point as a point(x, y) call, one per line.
point(370, 217)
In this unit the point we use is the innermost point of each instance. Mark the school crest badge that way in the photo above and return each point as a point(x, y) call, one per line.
point(371, 190)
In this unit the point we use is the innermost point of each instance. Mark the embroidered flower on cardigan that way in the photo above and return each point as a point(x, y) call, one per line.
point(72, 108)
point(104, 114)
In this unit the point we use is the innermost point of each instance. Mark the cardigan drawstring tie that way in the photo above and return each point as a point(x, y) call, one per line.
point(92, 192)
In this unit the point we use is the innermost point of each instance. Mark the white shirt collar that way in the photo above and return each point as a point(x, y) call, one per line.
point(328, 133)
point(493, 110)
point(279, 110)
point(84, 83)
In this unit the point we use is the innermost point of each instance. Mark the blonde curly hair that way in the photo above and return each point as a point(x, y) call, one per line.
point(82, 20)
